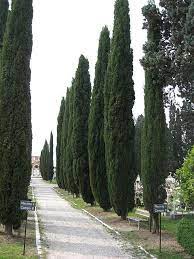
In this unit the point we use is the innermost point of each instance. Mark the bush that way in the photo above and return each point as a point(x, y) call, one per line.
point(185, 233)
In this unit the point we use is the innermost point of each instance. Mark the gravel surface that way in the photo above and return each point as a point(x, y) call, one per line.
point(69, 232)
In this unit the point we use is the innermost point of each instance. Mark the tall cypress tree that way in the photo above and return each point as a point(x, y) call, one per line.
point(82, 93)
point(72, 187)
point(96, 146)
point(15, 113)
point(119, 124)
point(64, 139)
point(138, 143)
point(51, 169)
point(58, 148)
point(4, 6)
point(153, 152)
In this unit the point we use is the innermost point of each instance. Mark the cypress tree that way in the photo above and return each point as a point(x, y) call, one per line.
point(119, 124)
point(15, 114)
point(4, 6)
point(82, 93)
point(64, 139)
point(73, 188)
point(58, 148)
point(51, 169)
point(154, 136)
point(96, 146)
point(138, 143)
point(45, 162)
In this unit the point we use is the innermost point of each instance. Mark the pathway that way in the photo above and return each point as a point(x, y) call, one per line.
point(69, 232)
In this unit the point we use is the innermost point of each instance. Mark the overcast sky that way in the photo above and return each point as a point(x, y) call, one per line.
point(62, 31)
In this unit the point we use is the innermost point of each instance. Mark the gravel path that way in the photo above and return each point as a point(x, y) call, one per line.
point(69, 232)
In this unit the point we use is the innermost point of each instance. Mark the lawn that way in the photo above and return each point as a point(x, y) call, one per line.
point(12, 247)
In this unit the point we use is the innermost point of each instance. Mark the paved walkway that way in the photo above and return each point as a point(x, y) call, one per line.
point(69, 232)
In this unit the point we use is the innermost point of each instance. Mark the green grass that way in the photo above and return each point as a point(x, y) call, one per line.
point(12, 247)
point(170, 225)
point(75, 202)
point(168, 254)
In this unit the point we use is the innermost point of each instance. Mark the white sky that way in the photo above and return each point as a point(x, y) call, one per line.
point(62, 31)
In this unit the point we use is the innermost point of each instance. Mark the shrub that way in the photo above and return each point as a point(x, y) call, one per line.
point(185, 233)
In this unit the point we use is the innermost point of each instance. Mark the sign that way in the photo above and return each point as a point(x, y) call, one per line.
point(159, 208)
point(27, 205)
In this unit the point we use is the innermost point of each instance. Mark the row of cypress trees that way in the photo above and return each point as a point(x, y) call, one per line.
point(46, 160)
point(15, 109)
point(110, 135)
point(95, 136)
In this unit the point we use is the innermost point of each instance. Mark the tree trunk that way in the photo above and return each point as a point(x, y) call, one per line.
point(123, 217)
point(155, 223)
point(8, 229)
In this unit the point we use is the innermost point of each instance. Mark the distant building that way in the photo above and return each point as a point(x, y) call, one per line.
point(35, 162)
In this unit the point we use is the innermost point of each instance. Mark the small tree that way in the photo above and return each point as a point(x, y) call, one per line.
point(186, 178)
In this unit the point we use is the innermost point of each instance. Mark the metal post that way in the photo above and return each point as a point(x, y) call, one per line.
point(24, 251)
point(160, 232)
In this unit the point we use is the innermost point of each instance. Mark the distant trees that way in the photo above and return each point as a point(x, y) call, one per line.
point(154, 139)
point(119, 125)
point(45, 162)
point(96, 146)
point(51, 167)
point(15, 110)
point(82, 93)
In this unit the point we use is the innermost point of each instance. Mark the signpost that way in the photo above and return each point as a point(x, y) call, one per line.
point(26, 206)
point(160, 208)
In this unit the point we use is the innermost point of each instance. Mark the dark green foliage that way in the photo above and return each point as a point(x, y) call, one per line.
point(178, 44)
point(119, 124)
point(58, 148)
point(185, 234)
point(96, 146)
point(175, 141)
point(4, 6)
point(187, 116)
point(51, 169)
point(154, 139)
point(174, 18)
point(15, 113)
point(64, 140)
point(45, 162)
point(138, 143)
point(72, 187)
point(82, 93)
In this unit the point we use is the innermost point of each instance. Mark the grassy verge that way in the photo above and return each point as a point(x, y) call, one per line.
point(130, 233)
point(12, 247)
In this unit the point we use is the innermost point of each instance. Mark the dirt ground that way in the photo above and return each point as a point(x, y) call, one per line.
point(142, 237)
